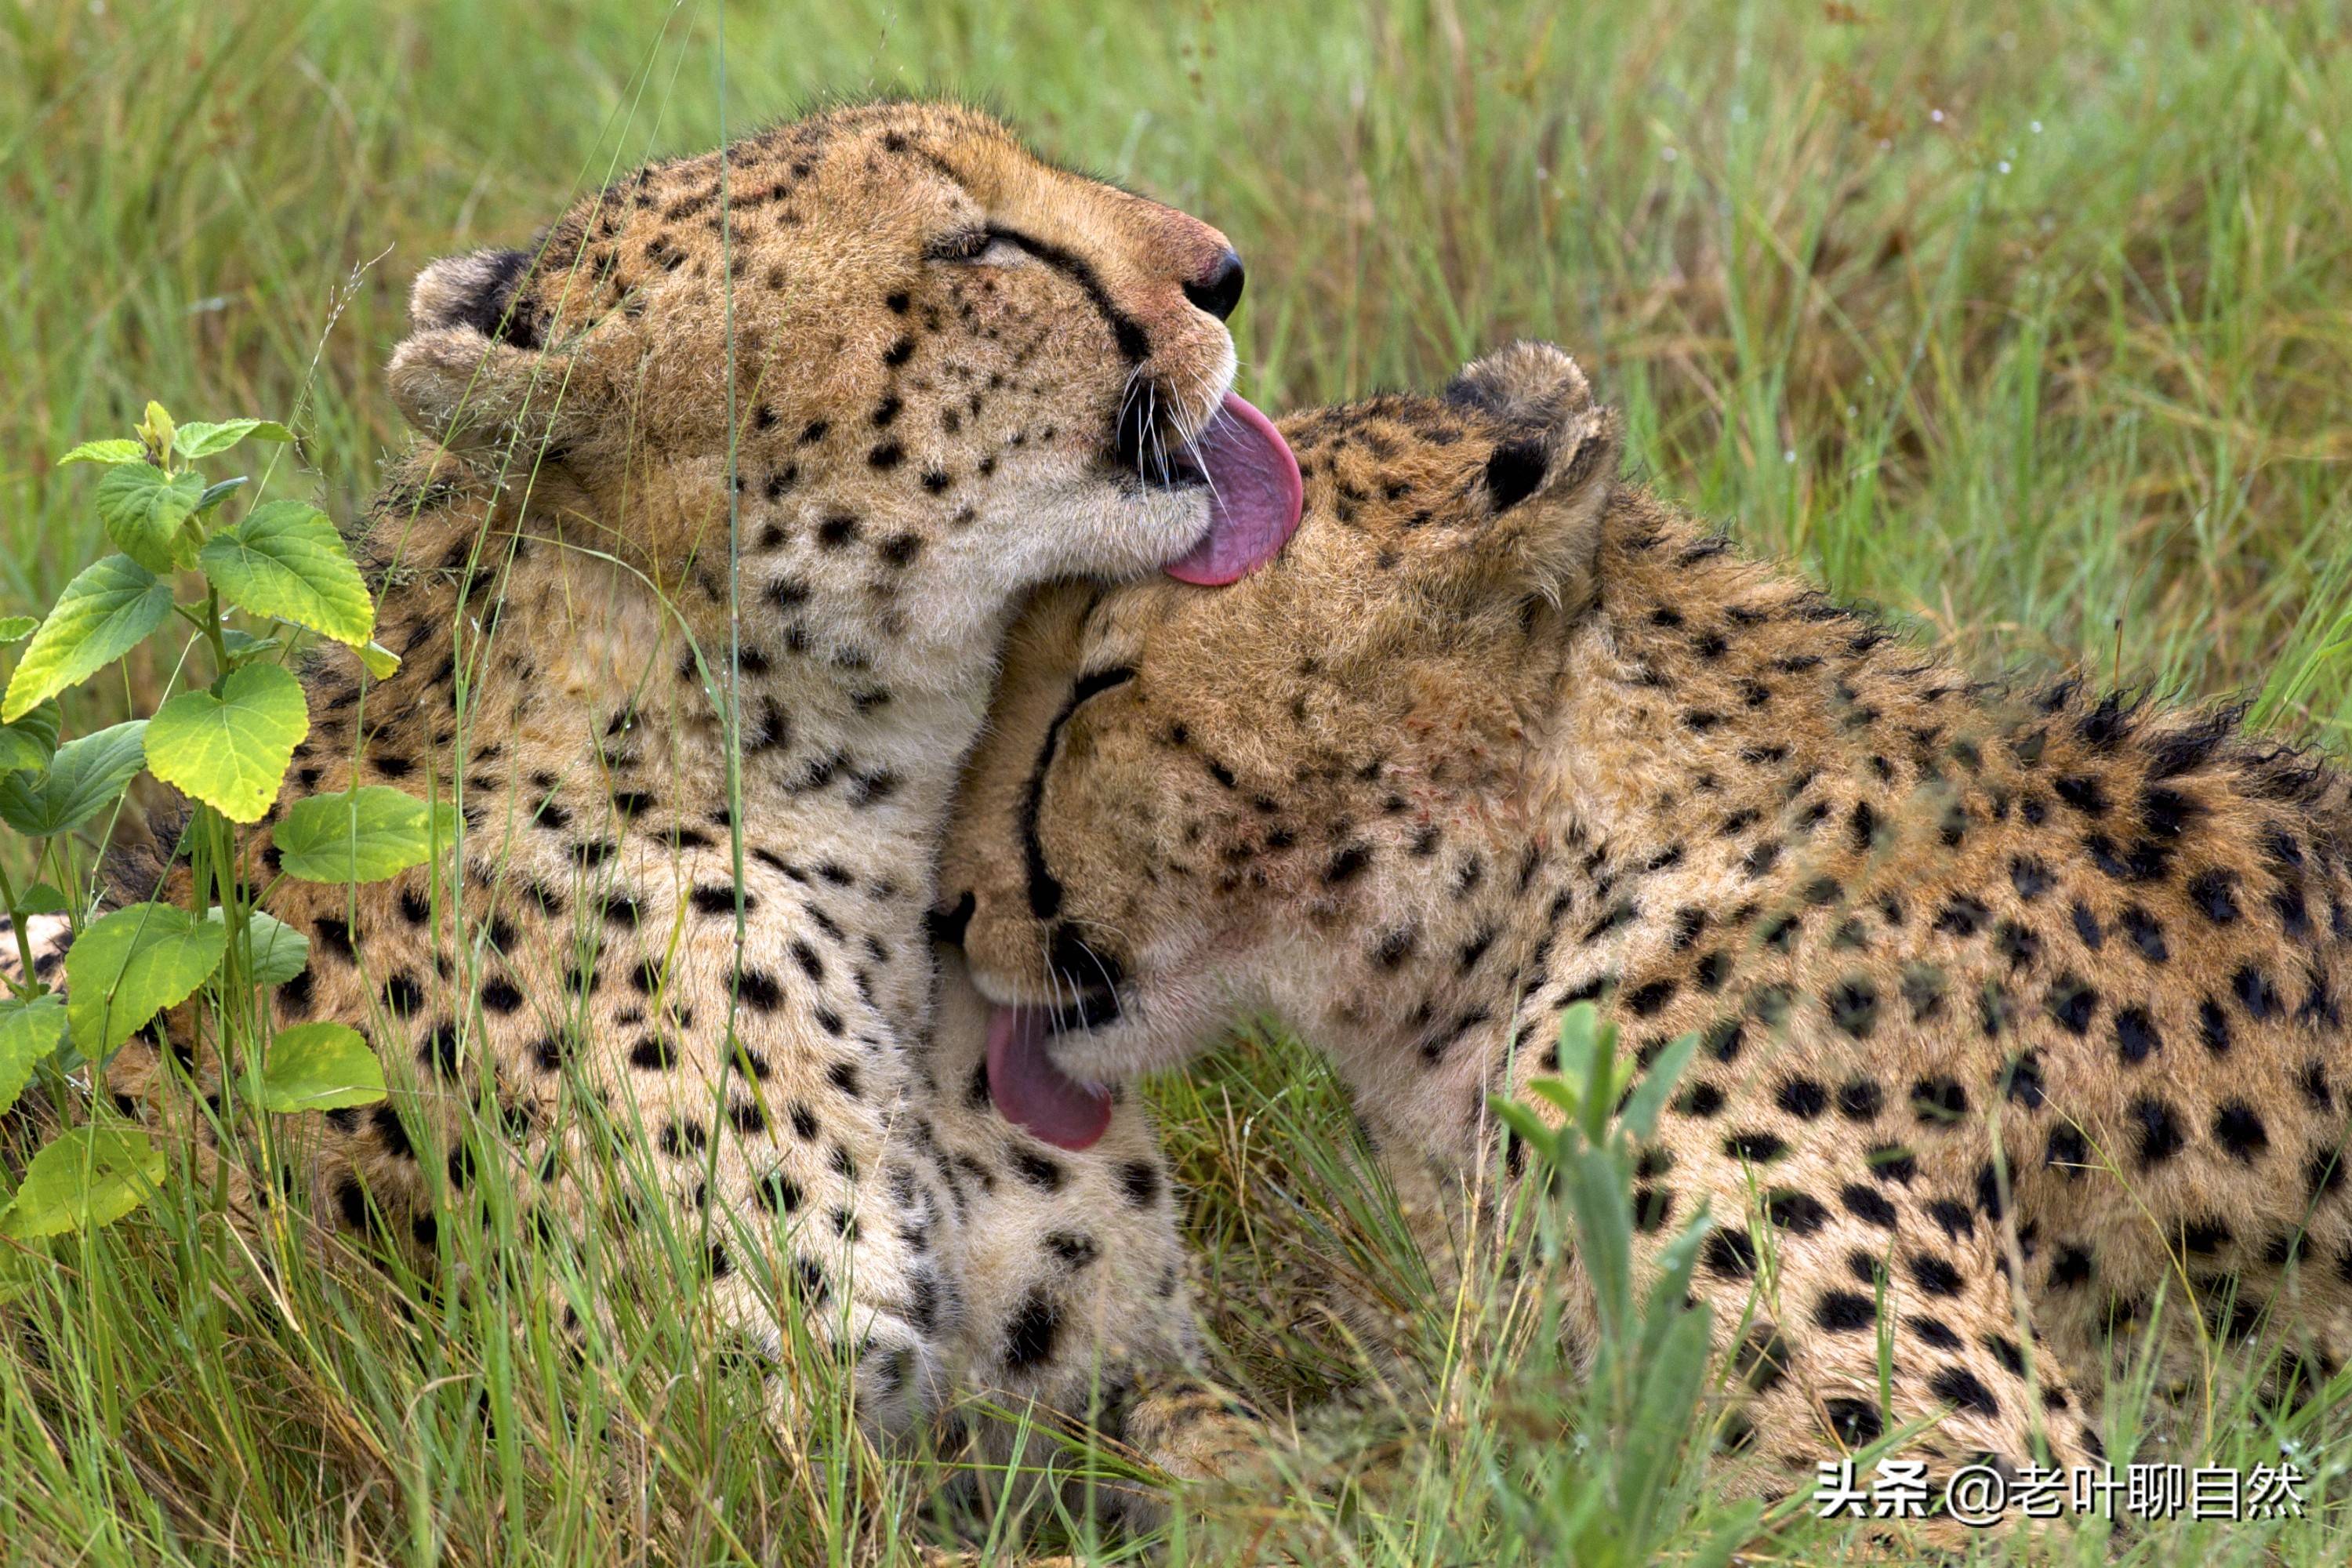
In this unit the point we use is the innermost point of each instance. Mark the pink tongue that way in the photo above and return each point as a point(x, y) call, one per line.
point(1031, 1090)
point(1254, 496)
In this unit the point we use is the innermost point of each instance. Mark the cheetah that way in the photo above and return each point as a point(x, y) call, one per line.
point(2013, 1009)
point(725, 491)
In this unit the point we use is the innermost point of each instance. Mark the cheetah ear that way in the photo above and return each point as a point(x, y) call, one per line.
point(473, 371)
point(478, 290)
point(1551, 477)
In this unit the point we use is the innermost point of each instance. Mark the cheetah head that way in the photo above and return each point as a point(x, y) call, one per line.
point(1185, 800)
point(888, 346)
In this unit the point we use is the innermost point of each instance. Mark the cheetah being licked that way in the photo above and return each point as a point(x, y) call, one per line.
point(916, 371)
point(1984, 980)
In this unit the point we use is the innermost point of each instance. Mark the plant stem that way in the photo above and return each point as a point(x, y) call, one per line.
point(24, 985)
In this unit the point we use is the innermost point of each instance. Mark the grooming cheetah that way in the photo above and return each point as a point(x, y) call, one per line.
point(1984, 982)
point(904, 370)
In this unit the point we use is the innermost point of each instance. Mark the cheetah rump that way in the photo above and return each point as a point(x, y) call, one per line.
point(1991, 986)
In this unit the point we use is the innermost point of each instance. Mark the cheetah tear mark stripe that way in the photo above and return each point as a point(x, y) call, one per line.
point(1044, 887)
point(1134, 342)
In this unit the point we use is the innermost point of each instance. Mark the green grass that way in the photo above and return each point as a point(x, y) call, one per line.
point(2029, 322)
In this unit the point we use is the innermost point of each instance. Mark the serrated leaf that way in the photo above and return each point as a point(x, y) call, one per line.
point(41, 898)
point(16, 629)
point(279, 951)
point(104, 613)
point(89, 1176)
point(127, 966)
point(360, 835)
point(84, 776)
point(29, 1030)
point(320, 1066)
point(202, 437)
point(381, 661)
point(144, 508)
point(231, 751)
point(113, 449)
point(28, 744)
point(286, 560)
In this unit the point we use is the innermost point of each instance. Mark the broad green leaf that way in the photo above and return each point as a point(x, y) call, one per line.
point(286, 560)
point(29, 743)
point(88, 1176)
point(41, 898)
point(103, 613)
point(279, 951)
point(202, 437)
point(84, 777)
point(243, 646)
point(216, 493)
point(113, 449)
point(130, 965)
point(381, 661)
point(320, 1066)
point(361, 836)
point(143, 508)
point(29, 1030)
point(16, 629)
point(231, 751)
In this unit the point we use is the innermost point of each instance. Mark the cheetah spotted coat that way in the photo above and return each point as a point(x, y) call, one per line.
point(908, 369)
point(2014, 1010)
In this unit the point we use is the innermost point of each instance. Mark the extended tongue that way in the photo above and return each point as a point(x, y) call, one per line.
point(1254, 496)
point(1031, 1090)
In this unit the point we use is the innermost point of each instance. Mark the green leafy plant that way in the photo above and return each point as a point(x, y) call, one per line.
point(226, 746)
point(1624, 1496)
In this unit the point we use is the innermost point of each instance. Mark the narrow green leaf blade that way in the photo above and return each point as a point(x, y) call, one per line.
point(90, 1176)
point(361, 836)
point(285, 560)
point(16, 629)
point(321, 1066)
point(113, 449)
point(103, 613)
point(130, 965)
point(29, 1030)
point(83, 778)
point(144, 508)
point(216, 493)
point(231, 751)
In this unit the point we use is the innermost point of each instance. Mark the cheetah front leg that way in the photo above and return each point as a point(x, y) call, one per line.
point(774, 1126)
point(1075, 1311)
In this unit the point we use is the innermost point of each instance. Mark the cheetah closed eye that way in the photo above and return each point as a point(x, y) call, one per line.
point(901, 370)
point(1979, 973)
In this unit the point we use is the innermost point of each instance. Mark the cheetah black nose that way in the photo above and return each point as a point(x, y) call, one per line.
point(1219, 289)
